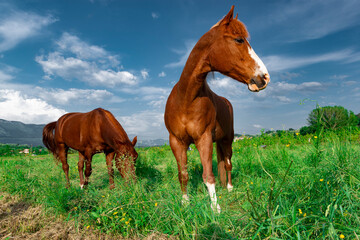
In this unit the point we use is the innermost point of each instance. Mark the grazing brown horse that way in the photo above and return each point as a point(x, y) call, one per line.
point(90, 133)
point(195, 114)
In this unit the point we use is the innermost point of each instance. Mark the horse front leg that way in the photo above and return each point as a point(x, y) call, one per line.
point(81, 169)
point(109, 164)
point(205, 148)
point(179, 150)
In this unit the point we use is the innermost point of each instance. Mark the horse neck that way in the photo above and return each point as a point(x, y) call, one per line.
point(193, 77)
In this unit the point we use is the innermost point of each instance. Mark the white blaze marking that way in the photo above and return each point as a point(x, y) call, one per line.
point(260, 69)
point(212, 193)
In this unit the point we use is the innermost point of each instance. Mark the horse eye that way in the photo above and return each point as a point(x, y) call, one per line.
point(239, 40)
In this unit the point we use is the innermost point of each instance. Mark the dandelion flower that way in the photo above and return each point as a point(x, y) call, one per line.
point(88, 227)
point(127, 222)
point(297, 134)
point(219, 197)
point(102, 196)
point(304, 214)
point(287, 145)
point(300, 211)
point(115, 213)
point(122, 219)
point(251, 183)
point(315, 137)
point(321, 180)
point(156, 204)
point(342, 236)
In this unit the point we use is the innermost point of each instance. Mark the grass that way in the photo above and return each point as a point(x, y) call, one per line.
point(294, 188)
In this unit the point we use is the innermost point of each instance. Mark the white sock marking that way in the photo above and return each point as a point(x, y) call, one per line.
point(230, 187)
point(212, 193)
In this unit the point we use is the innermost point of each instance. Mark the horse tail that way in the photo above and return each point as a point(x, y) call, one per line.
point(49, 139)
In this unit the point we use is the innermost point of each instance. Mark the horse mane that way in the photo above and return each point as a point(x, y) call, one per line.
point(238, 27)
point(117, 138)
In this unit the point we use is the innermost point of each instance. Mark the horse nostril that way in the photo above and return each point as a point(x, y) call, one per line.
point(266, 77)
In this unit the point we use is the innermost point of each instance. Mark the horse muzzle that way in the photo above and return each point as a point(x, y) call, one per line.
point(259, 83)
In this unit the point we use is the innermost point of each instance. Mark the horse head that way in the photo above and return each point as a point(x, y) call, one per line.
point(126, 158)
point(231, 54)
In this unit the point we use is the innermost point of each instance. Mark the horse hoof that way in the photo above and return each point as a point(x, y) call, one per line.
point(82, 186)
point(185, 199)
point(216, 209)
point(230, 188)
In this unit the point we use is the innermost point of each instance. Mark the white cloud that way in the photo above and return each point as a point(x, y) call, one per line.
point(315, 19)
point(162, 74)
point(147, 124)
point(144, 74)
point(78, 96)
point(76, 59)
point(153, 96)
point(17, 26)
point(257, 126)
point(226, 86)
point(184, 54)
point(154, 15)
point(18, 107)
point(282, 63)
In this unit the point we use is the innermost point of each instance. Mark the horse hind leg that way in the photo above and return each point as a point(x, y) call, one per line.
point(224, 163)
point(179, 150)
point(221, 164)
point(62, 155)
point(81, 169)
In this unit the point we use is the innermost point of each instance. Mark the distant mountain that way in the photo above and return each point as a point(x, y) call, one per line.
point(151, 143)
point(14, 132)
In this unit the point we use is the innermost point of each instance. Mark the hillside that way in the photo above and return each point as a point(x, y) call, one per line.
point(14, 132)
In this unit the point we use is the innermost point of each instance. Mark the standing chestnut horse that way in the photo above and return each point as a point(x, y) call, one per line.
point(90, 133)
point(195, 114)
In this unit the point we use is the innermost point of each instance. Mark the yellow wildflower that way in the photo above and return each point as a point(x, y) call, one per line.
point(288, 145)
point(304, 214)
point(300, 211)
point(315, 137)
point(219, 197)
point(342, 236)
point(88, 227)
point(251, 183)
point(115, 213)
point(124, 213)
point(297, 134)
point(156, 204)
point(122, 219)
point(321, 180)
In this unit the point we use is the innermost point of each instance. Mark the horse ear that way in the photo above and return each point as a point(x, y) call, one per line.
point(227, 19)
point(236, 16)
point(134, 141)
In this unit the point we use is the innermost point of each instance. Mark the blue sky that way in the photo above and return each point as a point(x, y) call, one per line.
point(125, 56)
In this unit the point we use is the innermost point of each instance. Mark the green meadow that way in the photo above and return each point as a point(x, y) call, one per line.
point(286, 186)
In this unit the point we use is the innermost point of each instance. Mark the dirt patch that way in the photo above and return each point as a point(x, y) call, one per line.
point(20, 220)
